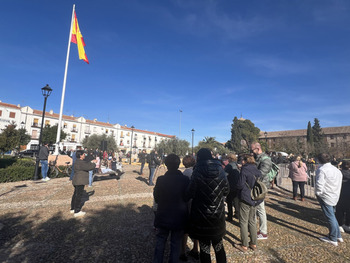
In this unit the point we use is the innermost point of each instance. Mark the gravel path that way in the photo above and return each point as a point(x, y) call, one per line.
point(36, 226)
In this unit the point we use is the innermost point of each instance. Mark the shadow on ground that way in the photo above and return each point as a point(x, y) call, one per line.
point(116, 233)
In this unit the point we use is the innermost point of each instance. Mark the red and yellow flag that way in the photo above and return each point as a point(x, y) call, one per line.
point(77, 38)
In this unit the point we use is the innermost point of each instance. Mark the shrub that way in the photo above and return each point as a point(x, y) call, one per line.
point(24, 162)
point(7, 161)
point(16, 173)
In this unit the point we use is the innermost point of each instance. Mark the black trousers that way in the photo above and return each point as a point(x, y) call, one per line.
point(295, 189)
point(219, 250)
point(343, 208)
point(76, 198)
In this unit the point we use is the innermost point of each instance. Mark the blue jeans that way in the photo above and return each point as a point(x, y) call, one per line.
point(151, 174)
point(329, 214)
point(91, 178)
point(44, 168)
point(71, 174)
point(175, 245)
point(141, 170)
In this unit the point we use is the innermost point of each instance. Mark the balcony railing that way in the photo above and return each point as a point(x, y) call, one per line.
point(35, 124)
point(74, 130)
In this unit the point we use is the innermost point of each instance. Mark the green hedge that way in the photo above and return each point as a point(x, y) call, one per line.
point(22, 169)
point(6, 161)
point(16, 173)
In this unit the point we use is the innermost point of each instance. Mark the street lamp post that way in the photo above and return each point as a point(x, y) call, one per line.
point(46, 91)
point(180, 125)
point(192, 139)
point(265, 133)
point(132, 134)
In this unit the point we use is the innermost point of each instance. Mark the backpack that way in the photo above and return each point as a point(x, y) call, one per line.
point(259, 190)
point(274, 170)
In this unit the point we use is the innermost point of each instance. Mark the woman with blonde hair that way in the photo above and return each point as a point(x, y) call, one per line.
point(298, 174)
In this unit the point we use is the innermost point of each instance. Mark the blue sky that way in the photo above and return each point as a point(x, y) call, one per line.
point(278, 63)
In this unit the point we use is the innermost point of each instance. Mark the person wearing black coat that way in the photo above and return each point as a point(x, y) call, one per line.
point(80, 179)
point(153, 162)
point(232, 176)
point(343, 206)
point(172, 210)
point(208, 188)
point(247, 219)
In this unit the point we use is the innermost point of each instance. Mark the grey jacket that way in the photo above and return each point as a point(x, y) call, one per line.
point(264, 164)
point(43, 153)
point(81, 172)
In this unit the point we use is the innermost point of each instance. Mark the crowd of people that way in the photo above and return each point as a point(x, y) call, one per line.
point(192, 203)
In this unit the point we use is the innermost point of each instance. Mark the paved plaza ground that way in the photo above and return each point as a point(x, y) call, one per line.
point(37, 225)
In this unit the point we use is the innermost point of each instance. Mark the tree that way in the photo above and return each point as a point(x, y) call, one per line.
point(212, 144)
point(310, 138)
point(319, 142)
point(24, 137)
point(243, 134)
point(50, 134)
point(176, 146)
point(9, 138)
point(95, 141)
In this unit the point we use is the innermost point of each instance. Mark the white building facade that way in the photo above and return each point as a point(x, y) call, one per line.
point(77, 129)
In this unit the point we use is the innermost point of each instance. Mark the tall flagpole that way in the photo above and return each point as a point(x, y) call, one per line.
point(64, 87)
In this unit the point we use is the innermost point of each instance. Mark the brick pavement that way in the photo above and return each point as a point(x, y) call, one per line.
point(118, 225)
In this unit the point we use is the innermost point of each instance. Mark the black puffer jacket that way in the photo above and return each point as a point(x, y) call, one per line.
point(208, 188)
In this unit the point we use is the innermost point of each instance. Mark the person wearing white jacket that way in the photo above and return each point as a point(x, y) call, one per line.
point(328, 186)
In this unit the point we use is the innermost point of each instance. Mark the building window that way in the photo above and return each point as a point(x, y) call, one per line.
point(12, 114)
point(73, 138)
point(332, 137)
point(121, 135)
point(34, 134)
point(332, 145)
point(36, 122)
point(106, 130)
point(344, 137)
point(47, 123)
point(121, 143)
point(65, 125)
point(0, 112)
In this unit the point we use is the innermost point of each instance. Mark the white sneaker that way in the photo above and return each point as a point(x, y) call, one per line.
point(341, 240)
point(341, 229)
point(326, 239)
point(79, 214)
point(72, 211)
point(43, 179)
point(47, 178)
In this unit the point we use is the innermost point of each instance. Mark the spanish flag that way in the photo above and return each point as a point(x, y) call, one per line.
point(77, 38)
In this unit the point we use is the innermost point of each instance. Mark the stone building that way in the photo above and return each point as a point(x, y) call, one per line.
point(337, 139)
point(77, 129)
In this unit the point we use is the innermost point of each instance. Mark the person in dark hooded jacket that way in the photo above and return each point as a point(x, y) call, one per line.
point(208, 188)
point(247, 219)
point(172, 210)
